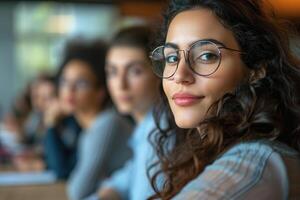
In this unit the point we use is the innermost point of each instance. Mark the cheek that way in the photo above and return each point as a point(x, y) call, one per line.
point(61, 93)
point(87, 99)
point(144, 85)
point(214, 89)
point(111, 85)
point(138, 88)
point(83, 96)
point(167, 88)
point(167, 85)
point(225, 80)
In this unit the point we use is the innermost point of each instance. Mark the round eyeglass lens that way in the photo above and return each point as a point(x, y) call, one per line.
point(204, 58)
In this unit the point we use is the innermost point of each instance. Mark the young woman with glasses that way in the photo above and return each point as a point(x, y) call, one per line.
point(232, 95)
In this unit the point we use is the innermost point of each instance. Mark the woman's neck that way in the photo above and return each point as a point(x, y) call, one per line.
point(86, 118)
point(139, 115)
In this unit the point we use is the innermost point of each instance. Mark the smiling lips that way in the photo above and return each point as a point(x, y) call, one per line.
point(185, 99)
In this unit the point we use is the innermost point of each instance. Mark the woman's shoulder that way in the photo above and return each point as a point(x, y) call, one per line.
point(259, 151)
point(261, 148)
point(245, 170)
point(112, 119)
point(108, 115)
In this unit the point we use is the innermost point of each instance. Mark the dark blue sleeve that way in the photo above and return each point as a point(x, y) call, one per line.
point(59, 158)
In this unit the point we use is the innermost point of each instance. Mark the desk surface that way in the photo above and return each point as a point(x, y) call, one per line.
point(54, 191)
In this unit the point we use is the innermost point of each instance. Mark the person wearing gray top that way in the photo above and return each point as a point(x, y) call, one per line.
point(102, 149)
point(102, 146)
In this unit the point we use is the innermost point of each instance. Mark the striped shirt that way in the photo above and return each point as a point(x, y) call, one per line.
point(254, 170)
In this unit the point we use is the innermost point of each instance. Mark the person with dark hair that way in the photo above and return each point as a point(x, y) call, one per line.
point(41, 91)
point(61, 136)
point(134, 90)
point(12, 134)
point(102, 146)
point(232, 96)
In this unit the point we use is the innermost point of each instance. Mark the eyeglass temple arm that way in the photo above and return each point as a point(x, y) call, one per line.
point(230, 49)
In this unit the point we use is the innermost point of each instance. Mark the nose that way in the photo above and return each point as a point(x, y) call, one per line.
point(123, 81)
point(72, 87)
point(183, 74)
point(71, 90)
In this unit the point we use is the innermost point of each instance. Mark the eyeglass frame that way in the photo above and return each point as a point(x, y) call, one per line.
point(186, 56)
point(78, 85)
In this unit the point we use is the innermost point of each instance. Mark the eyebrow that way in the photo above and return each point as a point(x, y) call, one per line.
point(173, 45)
point(108, 65)
point(134, 62)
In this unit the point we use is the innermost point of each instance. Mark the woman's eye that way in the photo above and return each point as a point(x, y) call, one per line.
point(82, 84)
point(111, 72)
point(171, 59)
point(207, 57)
point(135, 70)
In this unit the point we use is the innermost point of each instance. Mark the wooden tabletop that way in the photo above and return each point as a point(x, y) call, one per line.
point(54, 191)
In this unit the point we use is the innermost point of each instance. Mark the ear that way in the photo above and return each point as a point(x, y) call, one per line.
point(257, 74)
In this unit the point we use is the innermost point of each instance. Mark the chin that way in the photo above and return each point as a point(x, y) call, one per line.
point(124, 110)
point(187, 117)
point(186, 123)
point(69, 107)
point(69, 111)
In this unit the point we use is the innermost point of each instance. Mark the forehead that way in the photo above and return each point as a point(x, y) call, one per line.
point(77, 68)
point(46, 88)
point(197, 24)
point(122, 55)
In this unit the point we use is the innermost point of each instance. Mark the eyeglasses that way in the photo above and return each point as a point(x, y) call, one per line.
point(203, 58)
point(78, 85)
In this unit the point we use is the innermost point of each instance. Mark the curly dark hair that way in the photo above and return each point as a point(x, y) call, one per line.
point(91, 52)
point(265, 107)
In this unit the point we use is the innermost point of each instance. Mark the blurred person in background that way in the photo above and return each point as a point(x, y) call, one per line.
point(42, 92)
point(62, 130)
point(102, 144)
point(11, 130)
point(28, 112)
point(134, 89)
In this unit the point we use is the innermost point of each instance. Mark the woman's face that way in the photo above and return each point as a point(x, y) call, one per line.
point(131, 82)
point(43, 92)
point(189, 94)
point(77, 89)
